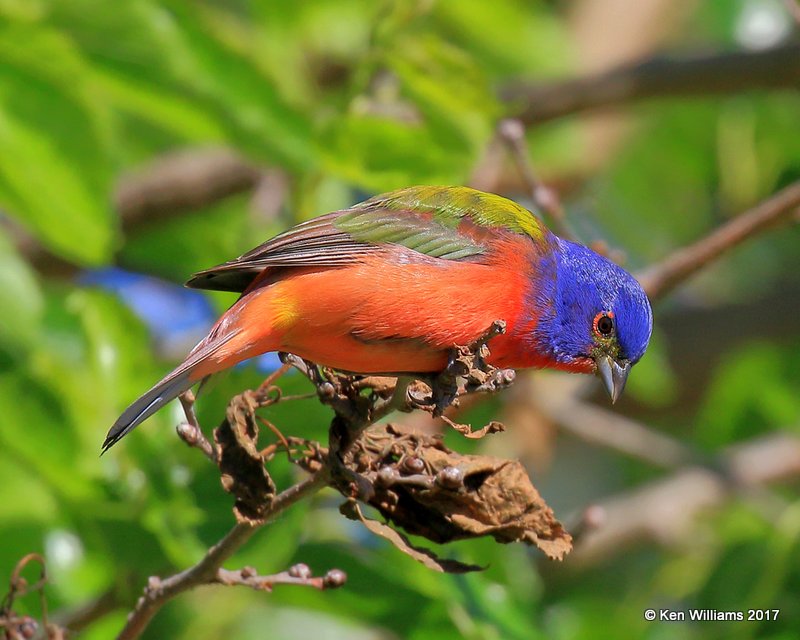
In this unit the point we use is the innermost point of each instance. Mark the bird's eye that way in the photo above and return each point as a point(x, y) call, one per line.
point(604, 323)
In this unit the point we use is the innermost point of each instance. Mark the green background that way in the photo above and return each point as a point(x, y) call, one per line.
point(342, 99)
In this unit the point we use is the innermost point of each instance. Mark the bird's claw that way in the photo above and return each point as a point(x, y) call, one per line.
point(467, 371)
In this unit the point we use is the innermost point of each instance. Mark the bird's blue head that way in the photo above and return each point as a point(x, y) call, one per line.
point(598, 318)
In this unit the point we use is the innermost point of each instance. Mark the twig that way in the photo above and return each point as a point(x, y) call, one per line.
point(512, 133)
point(661, 278)
point(560, 399)
point(616, 432)
point(78, 618)
point(794, 10)
point(190, 431)
point(299, 574)
point(664, 511)
point(15, 626)
point(700, 75)
point(182, 181)
point(172, 185)
point(158, 591)
point(277, 432)
point(264, 387)
point(19, 586)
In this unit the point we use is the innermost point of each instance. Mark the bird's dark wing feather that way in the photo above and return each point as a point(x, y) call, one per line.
point(426, 222)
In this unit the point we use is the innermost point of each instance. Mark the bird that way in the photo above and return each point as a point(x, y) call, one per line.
point(391, 284)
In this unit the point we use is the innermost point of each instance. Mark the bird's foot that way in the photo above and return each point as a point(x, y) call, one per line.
point(467, 371)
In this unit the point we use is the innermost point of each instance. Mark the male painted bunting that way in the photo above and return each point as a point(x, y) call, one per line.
point(391, 284)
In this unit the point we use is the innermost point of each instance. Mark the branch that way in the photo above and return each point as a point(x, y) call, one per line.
point(664, 511)
point(189, 179)
point(599, 426)
point(794, 9)
point(299, 574)
point(173, 185)
point(699, 75)
point(241, 462)
point(182, 181)
point(207, 571)
point(512, 133)
point(781, 208)
point(560, 400)
point(78, 618)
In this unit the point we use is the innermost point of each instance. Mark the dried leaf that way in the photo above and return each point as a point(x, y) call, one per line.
point(240, 461)
point(427, 557)
point(466, 430)
point(446, 496)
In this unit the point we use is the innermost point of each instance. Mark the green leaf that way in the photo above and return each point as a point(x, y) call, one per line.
point(160, 105)
point(513, 36)
point(754, 391)
point(95, 356)
point(35, 431)
point(450, 90)
point(54, 173)
point(20, 299)
point(229, 80)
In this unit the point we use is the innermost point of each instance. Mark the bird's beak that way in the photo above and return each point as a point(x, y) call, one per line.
point(613, 374)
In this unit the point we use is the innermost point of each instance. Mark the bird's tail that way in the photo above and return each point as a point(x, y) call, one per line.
point(241, 333)
point(205, 358)
point(163, 392)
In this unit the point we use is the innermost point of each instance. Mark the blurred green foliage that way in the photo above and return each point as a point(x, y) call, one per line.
point(351, 97)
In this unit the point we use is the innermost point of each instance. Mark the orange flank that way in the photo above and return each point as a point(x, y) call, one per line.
point(395, 311)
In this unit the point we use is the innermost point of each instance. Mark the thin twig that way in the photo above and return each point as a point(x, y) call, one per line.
point(158, 592)
point(78, 618)
point(272, 377)
point(661, 278)
point(13, 625)
point(512, 133)
point(664, 511)
point(616, 432)
point(275, 431)
point(190, 431)
point(298, 574)
point(793, 8)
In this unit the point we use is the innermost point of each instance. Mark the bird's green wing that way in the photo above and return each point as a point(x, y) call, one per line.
point(449, 206)
point(450, 223)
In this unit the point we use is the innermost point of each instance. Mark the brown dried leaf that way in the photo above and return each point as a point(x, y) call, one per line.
point(240, 461)
point(451, 496)
point(466, 430)
point(427, 557)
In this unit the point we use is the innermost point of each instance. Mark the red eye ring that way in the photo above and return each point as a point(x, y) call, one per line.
point(603, 324)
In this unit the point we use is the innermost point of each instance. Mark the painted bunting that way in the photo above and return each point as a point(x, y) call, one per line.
point(391, 284)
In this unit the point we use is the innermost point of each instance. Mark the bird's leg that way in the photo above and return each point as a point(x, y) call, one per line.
point(467, 363)
point(467, 371)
